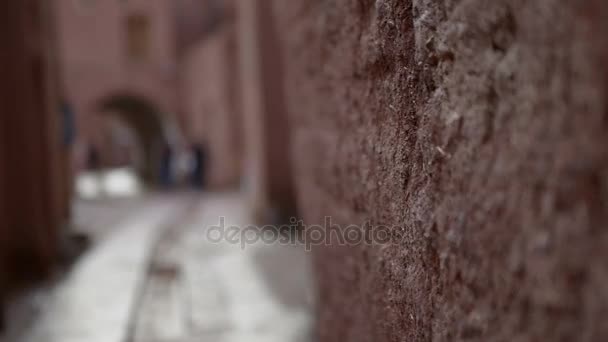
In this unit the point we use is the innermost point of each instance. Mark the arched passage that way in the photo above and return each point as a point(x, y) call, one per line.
point(146, 120)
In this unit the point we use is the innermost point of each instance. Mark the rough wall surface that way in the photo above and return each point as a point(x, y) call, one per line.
point(477, 129)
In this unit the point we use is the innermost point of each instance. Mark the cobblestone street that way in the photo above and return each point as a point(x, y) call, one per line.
point(152, 275)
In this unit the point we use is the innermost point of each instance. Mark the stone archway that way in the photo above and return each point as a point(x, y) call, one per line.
point(146, 120)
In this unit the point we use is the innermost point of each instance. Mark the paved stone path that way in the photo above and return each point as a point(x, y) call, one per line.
point(200, 290)
point(154, 276)
point(94, 301)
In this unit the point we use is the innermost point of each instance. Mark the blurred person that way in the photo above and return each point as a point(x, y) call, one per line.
point(68, 139)
point(93, 159)
point(166, 166)
point(68, 124)
point(199, 170)
point(93, 165)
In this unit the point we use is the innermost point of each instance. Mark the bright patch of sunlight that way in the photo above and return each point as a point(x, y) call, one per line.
point(88, 185)
point(111, 183)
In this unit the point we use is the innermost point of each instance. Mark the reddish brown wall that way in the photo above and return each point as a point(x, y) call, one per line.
point(267, 144)
point(93, 76)
point(478, 130)
point(33, 206)
point(208, 104)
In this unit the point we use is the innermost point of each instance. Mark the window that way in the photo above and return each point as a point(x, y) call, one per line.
point(138, 37)
point(85, 5)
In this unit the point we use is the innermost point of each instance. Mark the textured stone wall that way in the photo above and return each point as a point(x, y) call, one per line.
point(478, 129)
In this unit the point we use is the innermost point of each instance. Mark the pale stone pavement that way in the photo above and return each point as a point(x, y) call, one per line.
point(153, 275)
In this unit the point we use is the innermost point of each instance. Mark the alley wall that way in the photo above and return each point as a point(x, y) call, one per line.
point(476, 131)
point(34, 199)
point(212, 120)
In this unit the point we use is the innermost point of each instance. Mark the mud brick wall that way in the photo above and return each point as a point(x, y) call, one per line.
point(479, 130)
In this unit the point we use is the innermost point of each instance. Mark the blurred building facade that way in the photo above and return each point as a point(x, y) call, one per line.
point(118, 60)
point(265, 115)
point(183, 73)
point(34, 177)
point(167, 69)
point(210, 112)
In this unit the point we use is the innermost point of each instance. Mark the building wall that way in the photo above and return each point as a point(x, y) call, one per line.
point(184, 75)
point(96, 61)
point(252, 106)
point(32, 195)
point(213, 121)
point(476, 131)
point(267, 139)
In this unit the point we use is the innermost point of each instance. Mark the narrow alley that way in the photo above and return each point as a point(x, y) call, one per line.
point(303, 170)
